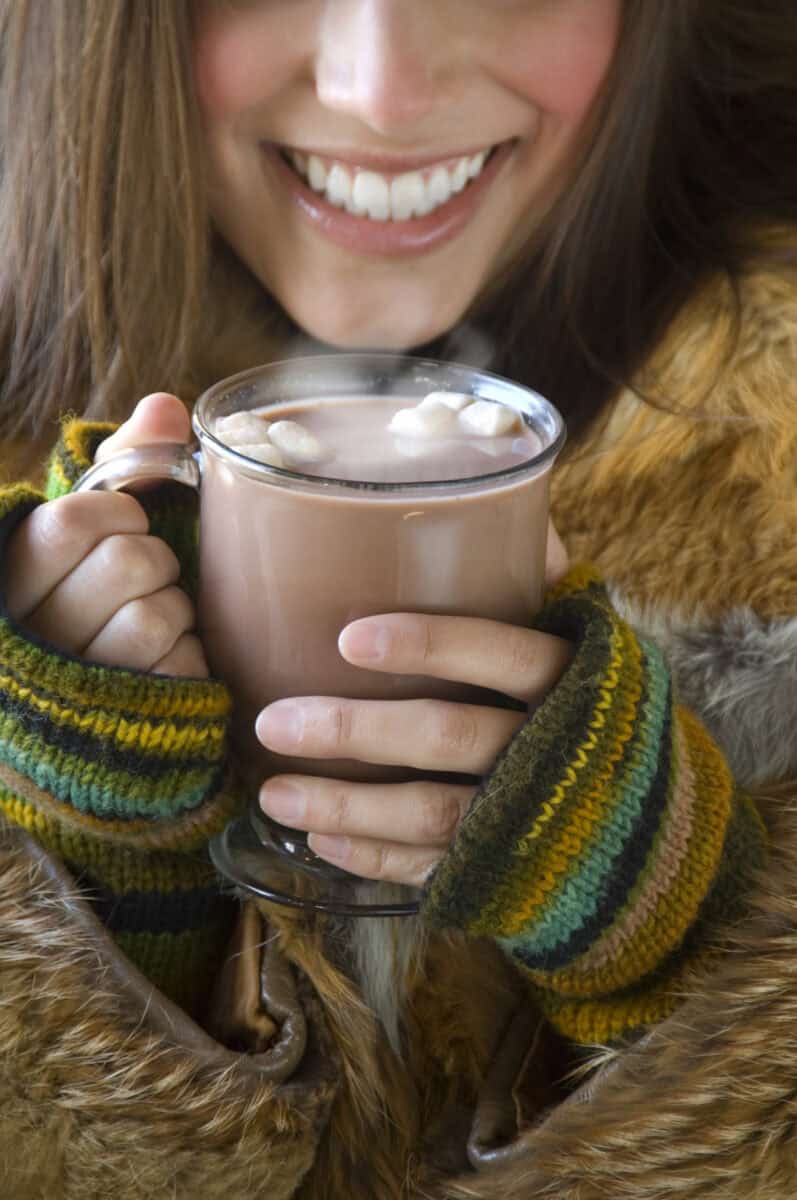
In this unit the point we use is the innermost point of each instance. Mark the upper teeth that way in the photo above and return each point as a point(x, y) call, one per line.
point(366, 193)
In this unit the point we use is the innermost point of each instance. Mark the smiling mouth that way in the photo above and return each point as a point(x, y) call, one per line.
point(377, 196)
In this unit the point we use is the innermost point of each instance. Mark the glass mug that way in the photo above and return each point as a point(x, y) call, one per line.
point(288, 558)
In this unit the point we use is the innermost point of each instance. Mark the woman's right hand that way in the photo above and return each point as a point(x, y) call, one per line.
point(84, 574)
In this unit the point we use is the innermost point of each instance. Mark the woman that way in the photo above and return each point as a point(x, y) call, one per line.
point(626, 246)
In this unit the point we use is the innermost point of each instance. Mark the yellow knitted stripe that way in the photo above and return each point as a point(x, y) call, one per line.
point(14, 495)
point(164, 737)
point(677, 908)
point(594, 1022)
point(115, 689)
point(76, 436)
point(529, 887)
point(578, 579)
point(581, 760)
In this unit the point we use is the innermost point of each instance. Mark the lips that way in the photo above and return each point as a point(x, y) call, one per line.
point(370, 209)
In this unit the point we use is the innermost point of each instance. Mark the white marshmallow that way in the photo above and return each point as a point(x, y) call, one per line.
point(242, 429)
point(486, 418)
point(298, 444)
point(456, 401)
point(427, 419)
point(263, 452)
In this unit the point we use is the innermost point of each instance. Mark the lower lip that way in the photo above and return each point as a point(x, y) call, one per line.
point(389, 238)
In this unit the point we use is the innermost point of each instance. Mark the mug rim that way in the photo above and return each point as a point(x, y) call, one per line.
point(286, 475)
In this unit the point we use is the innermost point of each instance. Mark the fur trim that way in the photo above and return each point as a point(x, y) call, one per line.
point(740, 676)
point(687, 503)
point(99, 1102)
point(703, 1109)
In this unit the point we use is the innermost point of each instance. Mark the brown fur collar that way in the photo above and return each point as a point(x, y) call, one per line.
point(688, 503)
point(100, 1100)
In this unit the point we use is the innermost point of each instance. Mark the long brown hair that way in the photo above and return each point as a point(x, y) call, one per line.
point(106, 258)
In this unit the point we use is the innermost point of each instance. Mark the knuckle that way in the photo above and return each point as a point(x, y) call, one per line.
point(441, 812)
point(341, 724)
point(77, 521)
point(151, 626)
point(418, 639)
point(457, 729)
point(186, 658)
point(521, 655)
point(64, 524)
point(383, 862)
point(138, 560)
point(339, 809)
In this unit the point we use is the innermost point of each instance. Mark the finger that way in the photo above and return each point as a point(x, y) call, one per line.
point(120, 569)
point(143, 631)
point(389, 861)
point(186, 658)
point(160, 417)
point(430, 735)
point(505, 658)
point(422, 813)
point(57, 536)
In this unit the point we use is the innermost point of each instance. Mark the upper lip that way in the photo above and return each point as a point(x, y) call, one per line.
point(387, 164)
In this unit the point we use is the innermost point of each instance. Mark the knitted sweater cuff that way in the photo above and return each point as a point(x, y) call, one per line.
point(608, 834)
point(103, 751)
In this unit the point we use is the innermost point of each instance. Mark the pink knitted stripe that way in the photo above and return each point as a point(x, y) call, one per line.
point(671, 847)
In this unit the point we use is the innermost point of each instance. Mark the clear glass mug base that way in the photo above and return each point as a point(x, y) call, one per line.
point(270, 861)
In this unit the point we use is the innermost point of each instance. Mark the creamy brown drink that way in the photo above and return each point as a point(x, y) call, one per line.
point(384, 439)
point(395, 502)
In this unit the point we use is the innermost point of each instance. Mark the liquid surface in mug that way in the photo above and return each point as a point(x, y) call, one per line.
point(384, 438)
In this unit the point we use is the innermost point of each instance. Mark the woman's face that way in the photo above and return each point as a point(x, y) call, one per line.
point(375, 162)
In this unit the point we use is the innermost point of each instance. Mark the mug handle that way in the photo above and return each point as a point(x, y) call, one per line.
point(162, 463)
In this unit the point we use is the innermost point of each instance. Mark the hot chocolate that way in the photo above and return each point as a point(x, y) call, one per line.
point(384, 439)
point(286, 561)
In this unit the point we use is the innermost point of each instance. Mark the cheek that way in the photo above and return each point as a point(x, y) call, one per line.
point(561, 65)
point(240, 60)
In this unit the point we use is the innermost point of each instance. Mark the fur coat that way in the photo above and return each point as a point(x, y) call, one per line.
point(686, 501)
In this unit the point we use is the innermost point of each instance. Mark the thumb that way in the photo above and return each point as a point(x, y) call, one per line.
point(160, 417)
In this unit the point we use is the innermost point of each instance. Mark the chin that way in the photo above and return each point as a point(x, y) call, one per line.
point(361, 331)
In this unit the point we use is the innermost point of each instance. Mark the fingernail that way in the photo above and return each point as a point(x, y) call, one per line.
point(364, 639)
point(283, 801)
point(329, 847)
point(280, 726)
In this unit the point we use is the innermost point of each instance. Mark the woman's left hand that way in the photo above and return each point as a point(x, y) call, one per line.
point(399, 831)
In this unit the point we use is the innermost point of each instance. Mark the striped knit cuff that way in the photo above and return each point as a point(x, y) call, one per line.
point(607, 830)
point(106, 751)
point(122, 775)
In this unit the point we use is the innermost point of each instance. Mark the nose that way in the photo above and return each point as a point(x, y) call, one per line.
point(382, 61)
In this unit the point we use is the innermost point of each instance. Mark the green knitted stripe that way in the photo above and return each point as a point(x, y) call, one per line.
point(744, 853)
point(90, 787)
point(122, 870)
point(182, 966)
point(581, 890)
